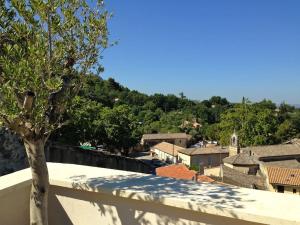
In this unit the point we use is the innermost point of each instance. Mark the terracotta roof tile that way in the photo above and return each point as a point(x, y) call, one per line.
point(180, 171)
point(203, 178)
point(284, 176)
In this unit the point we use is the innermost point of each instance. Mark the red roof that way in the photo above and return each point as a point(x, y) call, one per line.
point(203, 178)
point(180, 171)
point(284, 176)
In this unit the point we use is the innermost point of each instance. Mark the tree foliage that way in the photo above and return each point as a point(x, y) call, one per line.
point(46, 48)
point(257, 123)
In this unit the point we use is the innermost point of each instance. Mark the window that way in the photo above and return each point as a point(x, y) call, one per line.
point(294, 191)
point(280, 189)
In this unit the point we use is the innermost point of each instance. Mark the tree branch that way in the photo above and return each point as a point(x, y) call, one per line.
point(55, 108)
point(28, 101)
point(5, 119)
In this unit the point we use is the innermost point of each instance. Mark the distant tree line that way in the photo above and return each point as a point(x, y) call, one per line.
point(106, 113)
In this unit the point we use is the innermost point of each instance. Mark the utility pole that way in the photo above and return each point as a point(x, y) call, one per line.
point(173, 155)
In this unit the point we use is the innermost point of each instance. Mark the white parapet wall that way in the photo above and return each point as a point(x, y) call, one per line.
point(83, 195)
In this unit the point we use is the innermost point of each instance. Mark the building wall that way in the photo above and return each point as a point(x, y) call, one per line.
point(214, 171)
point(242, 169)
point(165, 156)
point(181, 142)
point(251, 169)
point(287, 189)
point(233, 150)
point(185, 159)
point(208, 160)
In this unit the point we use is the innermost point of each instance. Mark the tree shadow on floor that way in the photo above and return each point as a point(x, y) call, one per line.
point(131, 199)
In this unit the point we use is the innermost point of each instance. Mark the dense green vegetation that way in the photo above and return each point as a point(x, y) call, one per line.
point(107, 113)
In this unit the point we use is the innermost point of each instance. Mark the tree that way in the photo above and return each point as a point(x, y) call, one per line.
point(119, 125)
point(85, 124)
point(181, 95)
point(217, 100)
point(211, 132)
point(46, 48)
point(285, 111)
point(265, 104)
point(255, 125)
point(290, 128)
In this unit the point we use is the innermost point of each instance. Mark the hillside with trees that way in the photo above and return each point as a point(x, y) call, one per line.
point(107, 113)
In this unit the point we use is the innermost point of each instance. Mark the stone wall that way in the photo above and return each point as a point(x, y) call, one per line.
point(12, 152)
point(208, 160)
point(13, 156)
point(75, 155)
point(232, 176)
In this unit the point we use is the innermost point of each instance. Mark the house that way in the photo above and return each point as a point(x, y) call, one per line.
point(242, 163)
point(283, 180)
point(180, 171)
point(166, 151)
point(246, 166)
point(180, 139)
point(205, 157)
point(249, 158)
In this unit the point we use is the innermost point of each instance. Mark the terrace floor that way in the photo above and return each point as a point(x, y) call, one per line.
point(81, 195)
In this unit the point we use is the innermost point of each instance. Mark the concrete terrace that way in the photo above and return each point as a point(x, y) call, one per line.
point(81, 195)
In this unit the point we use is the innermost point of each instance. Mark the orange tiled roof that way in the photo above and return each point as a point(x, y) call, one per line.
point(284, 176)
point(167, 148)
point(180, 171)
point(203, 178)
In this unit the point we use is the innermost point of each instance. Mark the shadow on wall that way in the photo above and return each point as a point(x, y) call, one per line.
point(144, 204)
point(12, 153)
point(75, 155)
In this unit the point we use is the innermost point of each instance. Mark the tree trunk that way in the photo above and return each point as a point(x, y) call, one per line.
point(40, 182)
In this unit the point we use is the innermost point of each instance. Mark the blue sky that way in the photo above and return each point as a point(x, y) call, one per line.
point(231, 48)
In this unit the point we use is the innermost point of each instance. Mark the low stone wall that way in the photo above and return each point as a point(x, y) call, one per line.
point(12, 152)
point(13, 156)
point(75, 155)
point(232, 176)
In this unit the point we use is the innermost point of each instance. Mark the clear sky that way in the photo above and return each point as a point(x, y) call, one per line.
point(232, 48)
